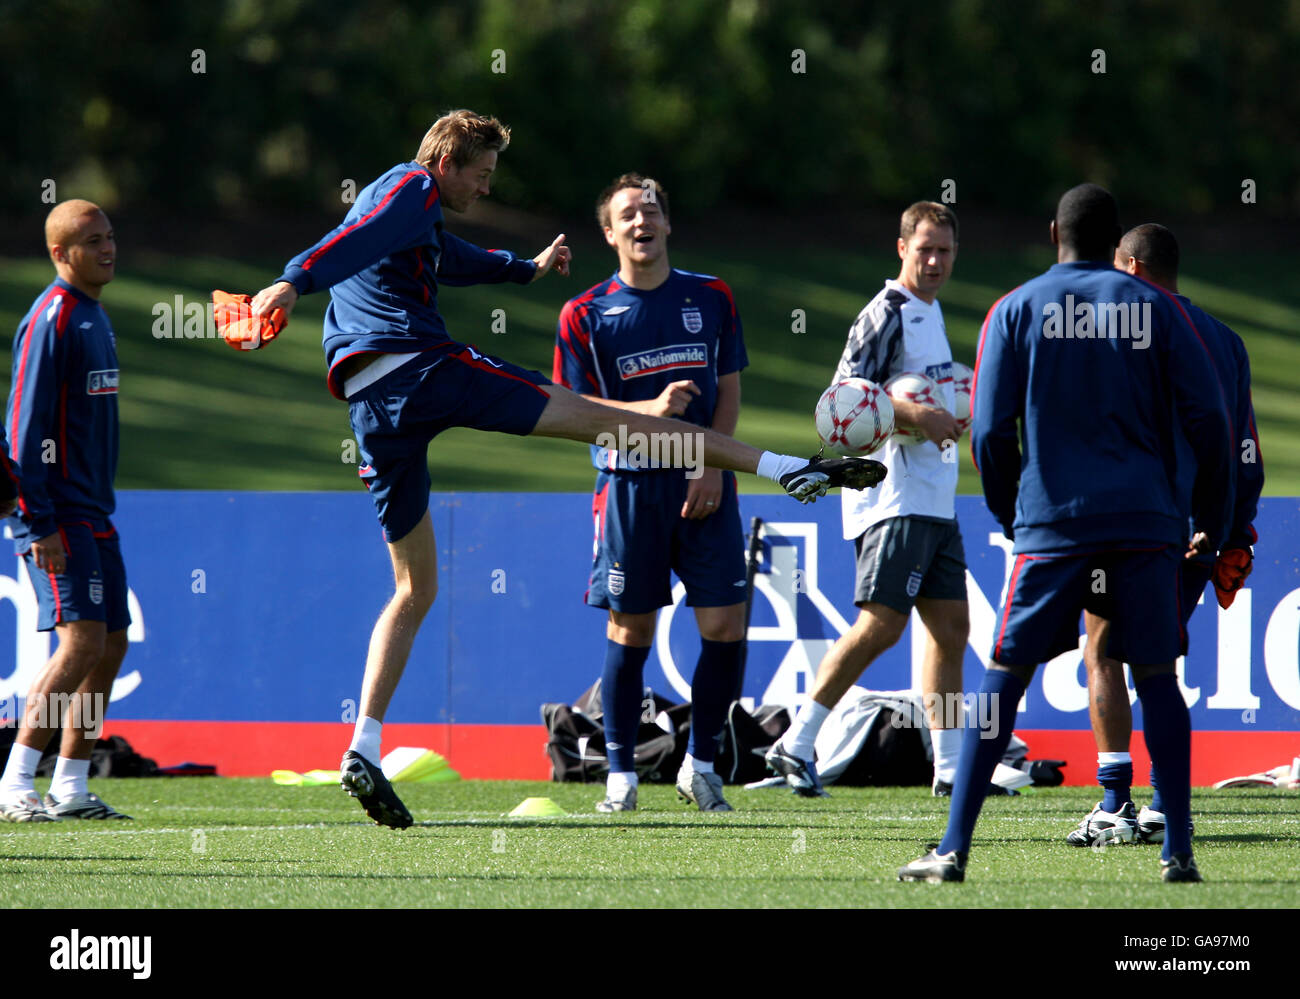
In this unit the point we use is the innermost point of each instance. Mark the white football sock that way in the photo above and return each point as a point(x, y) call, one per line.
point(619, 782)
point(367, 738)
point(20, 771)
point(1105, 759)
point(699, 766)
point(772, 465)
point(801, 736)
point(70, 779)
point(947, 750)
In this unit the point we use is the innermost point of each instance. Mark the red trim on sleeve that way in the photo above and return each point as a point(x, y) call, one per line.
point(721, 286)
point(22, 373)
point(975, 374)
point(307, 264)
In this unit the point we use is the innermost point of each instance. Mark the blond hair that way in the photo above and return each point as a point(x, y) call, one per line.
point(464, 136)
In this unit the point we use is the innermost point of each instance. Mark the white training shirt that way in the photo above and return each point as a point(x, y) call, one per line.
point(899, 332)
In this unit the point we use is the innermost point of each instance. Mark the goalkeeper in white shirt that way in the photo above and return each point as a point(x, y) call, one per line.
point(909, 550)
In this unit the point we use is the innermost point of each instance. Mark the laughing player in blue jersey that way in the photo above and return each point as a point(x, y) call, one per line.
point(62, 418)
point(1150, 252)
point(1084, 379)
point(665, 342)
point(406, 380)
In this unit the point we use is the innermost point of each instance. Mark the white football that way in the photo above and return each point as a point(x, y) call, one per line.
point(854, 417)
point(913, 386)
point(962, 378)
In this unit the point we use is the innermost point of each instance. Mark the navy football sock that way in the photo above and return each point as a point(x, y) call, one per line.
point(980, 756)
point(620, 696)
point(1116, 779)
point(711, 690)
point(1157, 804)
point(1168, 730)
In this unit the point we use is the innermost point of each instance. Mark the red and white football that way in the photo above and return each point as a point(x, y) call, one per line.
point(913, 386)
point(962, 378)
point(854, 417)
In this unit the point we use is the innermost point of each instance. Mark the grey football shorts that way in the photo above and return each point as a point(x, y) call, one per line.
point(903, 558)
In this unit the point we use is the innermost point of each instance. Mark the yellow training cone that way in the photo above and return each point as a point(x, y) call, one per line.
point(411, 764)
point(537, 808)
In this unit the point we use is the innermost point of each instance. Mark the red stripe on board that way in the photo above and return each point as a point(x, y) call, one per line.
point(518, 752)
point(254, 749)
point(1216, 756)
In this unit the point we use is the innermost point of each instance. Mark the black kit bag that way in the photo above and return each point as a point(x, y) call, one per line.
point(576, 738)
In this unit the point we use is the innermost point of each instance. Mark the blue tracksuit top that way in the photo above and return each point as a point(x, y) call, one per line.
point(383, 265)
point(1082, 377)
point(62, 413)
point(1232, 364)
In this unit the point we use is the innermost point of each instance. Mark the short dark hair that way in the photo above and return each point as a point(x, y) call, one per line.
point(641, 183)
point(1087, 221)
point(1155, 246)
point(926, 211)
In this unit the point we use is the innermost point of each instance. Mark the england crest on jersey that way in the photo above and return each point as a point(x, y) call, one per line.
point(96, 592)
point(692, 319)
point(615, 583)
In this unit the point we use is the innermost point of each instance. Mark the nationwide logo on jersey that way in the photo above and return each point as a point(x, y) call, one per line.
point(651, 362)
point(692, 320)
point(940, 372)
point(102, 382)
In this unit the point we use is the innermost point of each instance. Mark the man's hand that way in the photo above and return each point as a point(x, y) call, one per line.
point(240, 323)
point(281, 295)
point(1229, 574)
point(703, 495)
point(938, 425)
point(673, 400)
point(555, 257)
point(1199, 545)
point(50, 554)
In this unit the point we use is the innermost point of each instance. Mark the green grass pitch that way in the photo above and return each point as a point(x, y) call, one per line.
point(231, 843)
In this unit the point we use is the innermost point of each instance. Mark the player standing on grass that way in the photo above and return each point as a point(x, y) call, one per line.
point(62, 418)
point(1151, 252)
point(1095, 372)
point(406, 381)
point(651, 339)
point(909, 550)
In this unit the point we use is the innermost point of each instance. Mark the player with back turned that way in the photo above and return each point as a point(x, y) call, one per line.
point(405, 380)
point(653, 339)
point(1150, 252)
point(1096, 372)
point(62, 419)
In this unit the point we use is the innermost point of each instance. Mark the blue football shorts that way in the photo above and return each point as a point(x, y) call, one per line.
point(1139, 591)
point(642, 537)
point(92, 586)
point(395, 418)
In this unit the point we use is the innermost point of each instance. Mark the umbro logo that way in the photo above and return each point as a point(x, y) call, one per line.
point(617, 310)
point(917, 319)
point(85, 326)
